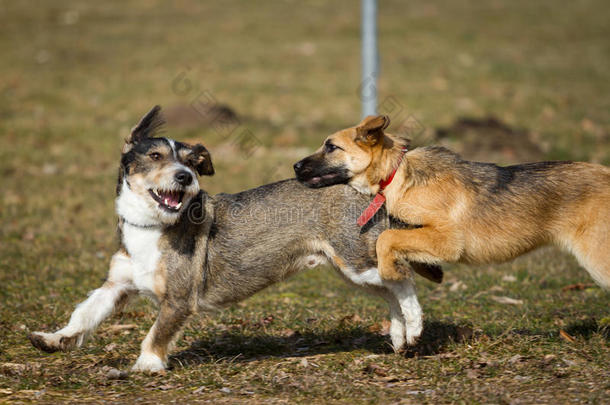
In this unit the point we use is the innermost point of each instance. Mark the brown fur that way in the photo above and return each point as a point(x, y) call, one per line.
point(466, 211)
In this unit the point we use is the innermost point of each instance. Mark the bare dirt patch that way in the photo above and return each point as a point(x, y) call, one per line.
point(490, 140)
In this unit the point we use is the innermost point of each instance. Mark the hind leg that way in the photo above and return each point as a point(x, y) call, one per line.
point(397, 325)
point(597, 264)
point(594, 255)
point(405, 311)
point(586, 233)
point(102, 302)
point(404, 291)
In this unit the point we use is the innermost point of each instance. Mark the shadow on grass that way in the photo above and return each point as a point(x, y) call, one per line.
point(584, 329)
point(587, 328)
point(239, 347)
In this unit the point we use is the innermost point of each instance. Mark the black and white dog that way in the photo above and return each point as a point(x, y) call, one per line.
point(190, 251)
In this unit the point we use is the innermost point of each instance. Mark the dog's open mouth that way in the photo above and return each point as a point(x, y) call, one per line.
point(169, 200)
point(318, 179)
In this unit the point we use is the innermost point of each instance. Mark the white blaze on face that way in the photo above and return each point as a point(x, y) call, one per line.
point(172, 144)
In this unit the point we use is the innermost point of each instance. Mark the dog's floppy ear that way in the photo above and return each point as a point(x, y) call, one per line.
point(202, 161)
point(370, 130)
point(148, 125)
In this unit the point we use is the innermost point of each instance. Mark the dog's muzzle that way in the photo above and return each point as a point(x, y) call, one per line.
point(316, 174)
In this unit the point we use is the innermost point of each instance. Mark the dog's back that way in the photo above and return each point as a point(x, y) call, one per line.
point(527, 205)
point(263, 235)
point(497, 213)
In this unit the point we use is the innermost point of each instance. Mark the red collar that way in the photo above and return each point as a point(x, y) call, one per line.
point(379, 199)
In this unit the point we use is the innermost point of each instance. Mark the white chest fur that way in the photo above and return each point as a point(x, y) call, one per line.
point(143, 249)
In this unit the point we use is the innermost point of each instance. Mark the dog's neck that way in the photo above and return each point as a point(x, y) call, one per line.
point(134, 225)
point(134, 210)
point(385, 161)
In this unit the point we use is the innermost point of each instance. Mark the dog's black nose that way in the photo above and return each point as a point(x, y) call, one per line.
point(297, 166)
point(183, 178)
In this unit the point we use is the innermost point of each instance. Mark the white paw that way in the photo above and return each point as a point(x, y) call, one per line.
point(414, 330)
point(48, 342)
point(52, 342)
point(397, 335)
point(149, 363)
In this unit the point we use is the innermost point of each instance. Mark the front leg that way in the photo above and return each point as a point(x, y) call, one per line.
point(102, 302)
point(165, 330)
point(424, 245)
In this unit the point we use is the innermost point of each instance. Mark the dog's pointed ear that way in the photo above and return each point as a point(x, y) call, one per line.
point(202, 161)
point(370, 130)
point(146, 128)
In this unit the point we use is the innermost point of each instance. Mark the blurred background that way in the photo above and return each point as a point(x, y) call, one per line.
point(261, 84)
point(497, 80)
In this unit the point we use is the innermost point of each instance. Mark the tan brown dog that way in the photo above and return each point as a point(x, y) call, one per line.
point(465, 211)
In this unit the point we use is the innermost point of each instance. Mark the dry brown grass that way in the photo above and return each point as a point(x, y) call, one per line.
point(76, 76)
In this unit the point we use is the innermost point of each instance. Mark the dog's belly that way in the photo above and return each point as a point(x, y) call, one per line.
point(362, 277)
point(480, 251)
point(367, 277)
point(311, 261)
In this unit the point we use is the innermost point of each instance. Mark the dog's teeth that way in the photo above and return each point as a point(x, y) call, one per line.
point(166, 202)
point(179, 205)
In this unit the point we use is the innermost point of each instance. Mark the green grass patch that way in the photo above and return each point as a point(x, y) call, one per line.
point(75, 78)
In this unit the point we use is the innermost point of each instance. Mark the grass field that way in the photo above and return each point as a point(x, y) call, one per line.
point(75, 76)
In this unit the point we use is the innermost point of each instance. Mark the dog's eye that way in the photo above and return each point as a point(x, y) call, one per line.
point(155, 156)
point(329, 147)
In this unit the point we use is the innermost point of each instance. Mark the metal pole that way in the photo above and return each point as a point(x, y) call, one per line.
point(370, 58)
